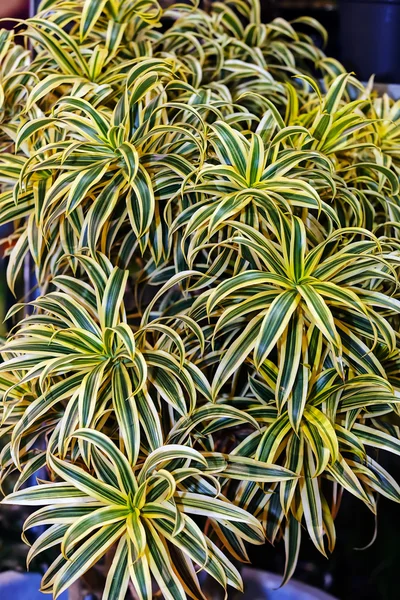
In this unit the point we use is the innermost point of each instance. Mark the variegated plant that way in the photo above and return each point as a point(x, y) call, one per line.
point(214, 350)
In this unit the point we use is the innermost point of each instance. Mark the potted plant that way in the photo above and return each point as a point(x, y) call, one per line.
point(213, 357)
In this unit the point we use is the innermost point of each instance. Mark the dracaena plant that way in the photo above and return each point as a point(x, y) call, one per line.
point(210, 206)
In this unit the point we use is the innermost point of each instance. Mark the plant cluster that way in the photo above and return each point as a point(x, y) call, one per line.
point(211, 208)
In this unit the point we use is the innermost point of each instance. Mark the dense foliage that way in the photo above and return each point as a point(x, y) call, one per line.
point(211, 208)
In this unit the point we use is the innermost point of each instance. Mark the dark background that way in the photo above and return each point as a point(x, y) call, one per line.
point(350, 573)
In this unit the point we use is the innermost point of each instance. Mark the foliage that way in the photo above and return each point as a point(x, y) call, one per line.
point(211, 208)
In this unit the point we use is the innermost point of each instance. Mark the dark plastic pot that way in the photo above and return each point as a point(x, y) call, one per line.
point(369, 38)
point(262, 585)
point(259, 585)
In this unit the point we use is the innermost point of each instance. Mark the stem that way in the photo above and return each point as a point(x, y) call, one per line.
point(75, 591)
point(133, 591)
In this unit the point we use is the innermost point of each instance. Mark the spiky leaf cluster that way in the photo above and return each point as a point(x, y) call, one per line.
point(211, 208)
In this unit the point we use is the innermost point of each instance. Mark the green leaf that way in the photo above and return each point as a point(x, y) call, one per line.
point(126, 412)
point(343, 474)
point(289, 360)
point(311, 500)
point(92, 10)
point(376, 438)
point(274, 324)
point(248, 469)
point(86, 524)
point(123, 469)
point(89, 553)
point(236, 355)
point(140, 201)
point(48, 493)
point(92, 487)
point(160, 566)
point(292, 547)
point(118, 575)
point(139, 572)
point(325, 429)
